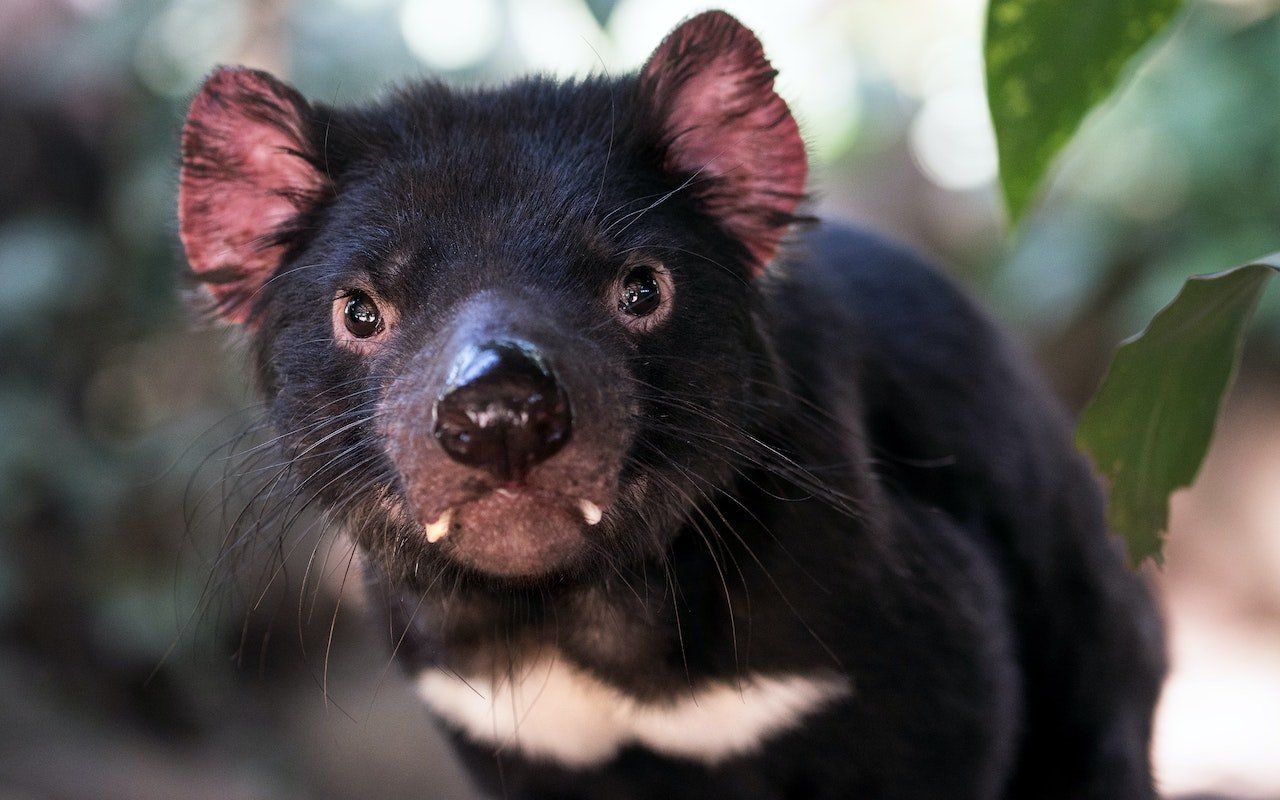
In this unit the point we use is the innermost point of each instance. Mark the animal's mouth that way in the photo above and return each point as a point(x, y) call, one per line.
point(444, 523)
point(523, 532)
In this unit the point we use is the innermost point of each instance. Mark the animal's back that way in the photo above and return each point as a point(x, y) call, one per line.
point(957, 419)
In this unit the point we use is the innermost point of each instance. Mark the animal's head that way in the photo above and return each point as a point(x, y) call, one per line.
point(506, 331)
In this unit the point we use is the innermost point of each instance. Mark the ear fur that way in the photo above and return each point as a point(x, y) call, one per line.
point(726, 130)
point(249, 169)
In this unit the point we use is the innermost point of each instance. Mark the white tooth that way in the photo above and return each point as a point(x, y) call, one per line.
point(590, 511)
point(440, 528)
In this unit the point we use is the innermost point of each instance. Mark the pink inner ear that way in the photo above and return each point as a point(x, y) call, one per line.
point(245, 176)
point(714, 89)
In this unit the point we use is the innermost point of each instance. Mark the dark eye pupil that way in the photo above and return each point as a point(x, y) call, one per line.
point(362, 316)
point(640, 293)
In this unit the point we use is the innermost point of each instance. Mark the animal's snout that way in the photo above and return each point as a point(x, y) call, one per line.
point(503, 410)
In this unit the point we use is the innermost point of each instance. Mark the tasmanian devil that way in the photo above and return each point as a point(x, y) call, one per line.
point(672, 491)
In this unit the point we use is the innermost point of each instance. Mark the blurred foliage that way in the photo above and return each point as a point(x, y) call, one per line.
point(1173, 178)
point(110, 404)
point(1151, 422)
point(1049, 62)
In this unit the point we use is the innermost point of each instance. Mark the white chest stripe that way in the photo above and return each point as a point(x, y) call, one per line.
point(553, 710)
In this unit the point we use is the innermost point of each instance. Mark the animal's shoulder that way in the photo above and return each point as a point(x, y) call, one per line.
point(945, 394)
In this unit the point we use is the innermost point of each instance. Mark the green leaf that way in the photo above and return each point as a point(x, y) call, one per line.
point(1151, 422)
point(1048, 63)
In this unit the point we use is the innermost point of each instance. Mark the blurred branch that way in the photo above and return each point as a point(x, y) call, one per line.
point(1076, 354)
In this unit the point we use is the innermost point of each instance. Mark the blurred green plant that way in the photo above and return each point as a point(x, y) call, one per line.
point(1150, 424)
point(1152, 420)
point(1048, 63)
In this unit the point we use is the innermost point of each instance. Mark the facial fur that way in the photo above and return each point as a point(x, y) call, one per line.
point(386, 243)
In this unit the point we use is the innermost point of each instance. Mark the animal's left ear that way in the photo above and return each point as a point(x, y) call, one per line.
point(726, 130)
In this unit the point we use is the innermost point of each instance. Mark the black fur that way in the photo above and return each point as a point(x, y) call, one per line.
point(841, 465)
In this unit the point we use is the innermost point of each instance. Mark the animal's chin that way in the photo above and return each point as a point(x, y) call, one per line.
point(515, 534)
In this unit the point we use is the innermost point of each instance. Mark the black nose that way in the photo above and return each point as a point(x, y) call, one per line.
point(502, 410)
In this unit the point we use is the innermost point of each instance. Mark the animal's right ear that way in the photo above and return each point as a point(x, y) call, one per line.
point(250, 167)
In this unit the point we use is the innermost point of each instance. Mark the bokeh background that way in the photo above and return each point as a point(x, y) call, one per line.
point(135, 662)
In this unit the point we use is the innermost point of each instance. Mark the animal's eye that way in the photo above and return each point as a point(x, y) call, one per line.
point(645, 292)
point(641, 292)
point(361, 315)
